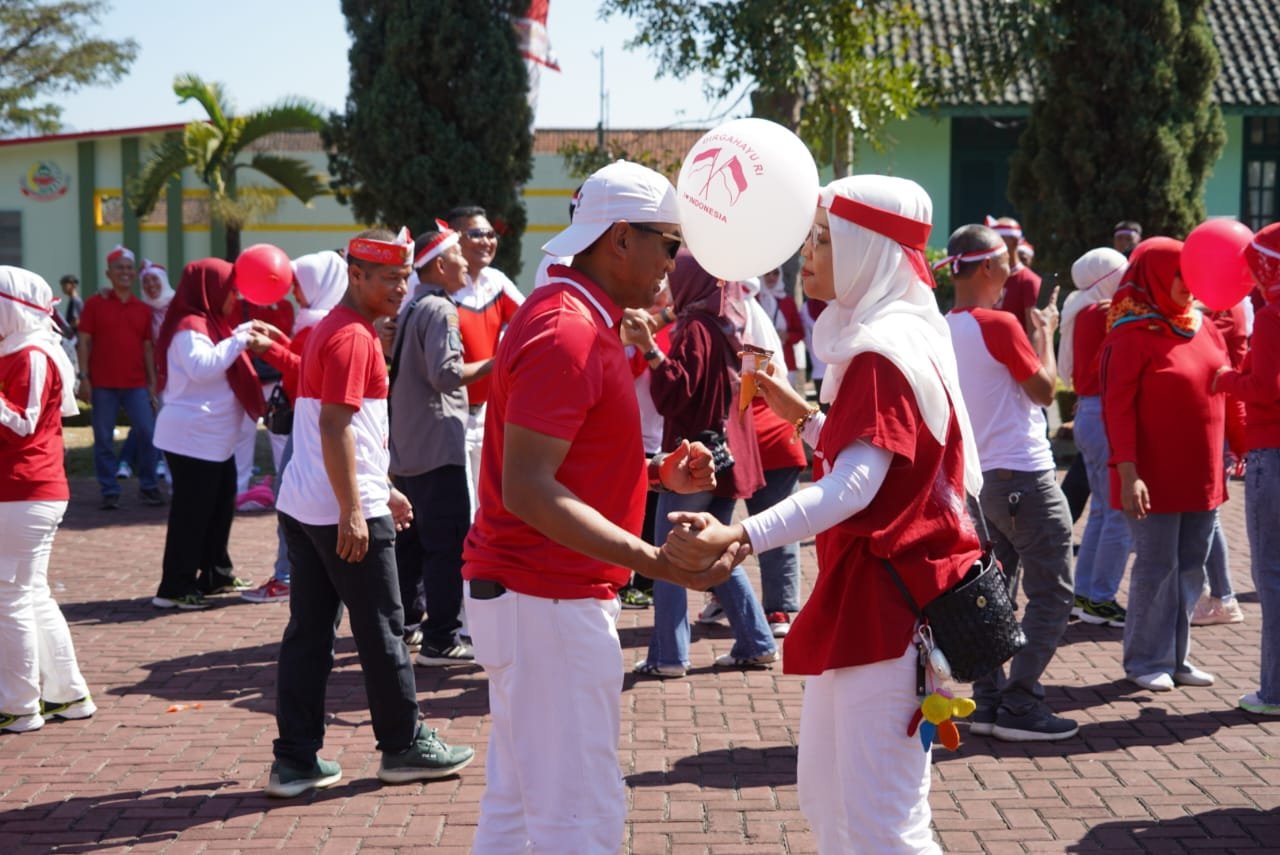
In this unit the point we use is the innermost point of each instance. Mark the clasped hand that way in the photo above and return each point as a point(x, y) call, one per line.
point(698, 542)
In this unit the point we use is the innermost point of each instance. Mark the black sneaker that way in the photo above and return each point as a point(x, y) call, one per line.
point(982, 721)
point(426, 759)
point(110, 503)
point(153, 497)
point(288, 781)
point(456, 654)
point(1035, 725)
point(1108, 613)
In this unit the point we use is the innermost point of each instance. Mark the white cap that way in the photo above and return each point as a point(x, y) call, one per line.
point(620, 191)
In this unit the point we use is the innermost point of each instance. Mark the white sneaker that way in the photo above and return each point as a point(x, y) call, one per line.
point(1157, 682)
point(20, 723)
point(712, 612)
point(1255, 704)
point(764, 660)
point(1193, 676)
point(79, 708)
point(124, 471)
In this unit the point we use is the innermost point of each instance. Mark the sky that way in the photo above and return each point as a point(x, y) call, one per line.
point(262, 50)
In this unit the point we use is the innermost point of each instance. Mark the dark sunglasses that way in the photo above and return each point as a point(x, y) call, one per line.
point(673, 241)
point(481, 234)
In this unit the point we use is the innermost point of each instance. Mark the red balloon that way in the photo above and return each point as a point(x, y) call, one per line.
point(1213, 263)
point(263, 274)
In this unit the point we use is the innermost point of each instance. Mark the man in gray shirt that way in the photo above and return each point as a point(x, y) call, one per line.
point(429, 411)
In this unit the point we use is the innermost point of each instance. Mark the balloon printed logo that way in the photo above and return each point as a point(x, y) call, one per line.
point(44, 181)
point(732, 180)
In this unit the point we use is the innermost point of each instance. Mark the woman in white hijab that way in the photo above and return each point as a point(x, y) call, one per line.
point(156, 293)
point(1104, 548)
point(39, 675)
point(895, 456)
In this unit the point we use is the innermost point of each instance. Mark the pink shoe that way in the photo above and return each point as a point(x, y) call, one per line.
point(256, 498)
point(1211, 610)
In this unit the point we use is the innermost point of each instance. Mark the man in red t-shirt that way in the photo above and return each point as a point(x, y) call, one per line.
point(1006, 380)
point(562, 487)
point(1022, 287)
point(339, 515)
point(118, 372)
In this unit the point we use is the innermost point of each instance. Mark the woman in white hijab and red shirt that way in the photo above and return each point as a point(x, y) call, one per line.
point(209, 386)
point(39, 676)
point(895, 455)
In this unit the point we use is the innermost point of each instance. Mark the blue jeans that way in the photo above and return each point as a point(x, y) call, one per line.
point(669, 644)
point(1104, 549)
point(281, 573)
point(1217, 567)
point(106, 404)
point(1167, 576)
point(779, 567)
point(1262, 522)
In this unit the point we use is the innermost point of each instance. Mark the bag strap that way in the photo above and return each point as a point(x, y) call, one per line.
point(902, 586)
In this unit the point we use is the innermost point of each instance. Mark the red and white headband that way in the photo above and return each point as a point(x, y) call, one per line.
point(1268, 252)
point(1127, 233)
point(119, 252)
point(966, 257)
point(46, 310)
point(912, 235)
point(395, 252)
point(446, 238)
point(1011, 230)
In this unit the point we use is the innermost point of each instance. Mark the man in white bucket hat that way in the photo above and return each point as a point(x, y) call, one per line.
point(562, 490)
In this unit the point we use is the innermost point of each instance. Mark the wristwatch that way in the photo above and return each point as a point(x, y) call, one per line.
point(652, 354)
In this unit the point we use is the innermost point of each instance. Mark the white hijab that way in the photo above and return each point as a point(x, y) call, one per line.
point(1096, 275)
point(759, 330)
point(882, 306)
point(26, 320)
point(160, 304)
point(323, 278)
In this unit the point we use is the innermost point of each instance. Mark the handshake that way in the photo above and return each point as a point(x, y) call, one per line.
point(700, 551)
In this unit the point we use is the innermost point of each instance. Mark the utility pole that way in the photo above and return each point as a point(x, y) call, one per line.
point(599, 54)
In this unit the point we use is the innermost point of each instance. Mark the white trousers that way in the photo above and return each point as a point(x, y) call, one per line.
point(37, 658)
point(475, 443)
point(246, 446)
point(552, 781)
point(863, 783)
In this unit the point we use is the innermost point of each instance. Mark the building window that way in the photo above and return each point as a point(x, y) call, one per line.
point(11, 238)
point(1261, 167)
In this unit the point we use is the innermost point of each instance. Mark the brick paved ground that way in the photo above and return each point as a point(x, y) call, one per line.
point(709, 760)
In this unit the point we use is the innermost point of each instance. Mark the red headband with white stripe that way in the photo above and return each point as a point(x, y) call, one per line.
point(395, 252)
point(119, 252)
point(446, 238)
point(965, 257)
point(912, 235)
point(1012, 230)
point(39, 308)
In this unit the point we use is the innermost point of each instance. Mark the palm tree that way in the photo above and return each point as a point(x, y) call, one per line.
point(213, 149)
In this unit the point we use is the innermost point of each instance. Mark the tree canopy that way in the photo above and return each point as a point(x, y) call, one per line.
point(47, 49)
point(213, 148)
point(1131, 134)
point(436, 116)
point(835, 71)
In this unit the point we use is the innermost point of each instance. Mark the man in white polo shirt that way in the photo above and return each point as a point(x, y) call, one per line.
point(1006, 379)
point(340, 515)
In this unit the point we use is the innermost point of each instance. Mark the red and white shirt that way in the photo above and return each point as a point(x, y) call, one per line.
point(994, 357)
point(31, 429)
point(486, 304)
point(561, 371)
point(918, 520)
point(342, 364)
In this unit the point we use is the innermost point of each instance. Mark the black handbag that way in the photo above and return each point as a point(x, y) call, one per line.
point(973, 623)
point(279, 416)
point(718, 444)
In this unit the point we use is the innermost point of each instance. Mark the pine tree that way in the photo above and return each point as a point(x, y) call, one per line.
point(437, 116)
point(1123, 127)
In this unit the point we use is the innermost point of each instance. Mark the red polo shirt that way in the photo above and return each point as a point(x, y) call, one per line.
point(120, 330)
point(561, 371)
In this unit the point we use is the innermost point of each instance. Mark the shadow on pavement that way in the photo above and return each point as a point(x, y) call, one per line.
point(1225, 830)
point(727, 769)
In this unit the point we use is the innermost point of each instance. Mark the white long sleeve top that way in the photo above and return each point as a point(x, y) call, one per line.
point(201, 416)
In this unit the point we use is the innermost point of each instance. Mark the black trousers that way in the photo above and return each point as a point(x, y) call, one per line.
point(321, 583)
point(1075, 486)
point(201, 508)
point(432, 547)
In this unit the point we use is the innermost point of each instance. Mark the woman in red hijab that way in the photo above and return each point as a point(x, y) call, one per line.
point(208, 385)
point(1257, 383)
point(1166, 430)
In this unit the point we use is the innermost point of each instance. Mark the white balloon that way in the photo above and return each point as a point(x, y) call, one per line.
point(747, 193)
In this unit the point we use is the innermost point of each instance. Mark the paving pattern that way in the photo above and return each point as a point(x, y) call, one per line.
point(176, 758)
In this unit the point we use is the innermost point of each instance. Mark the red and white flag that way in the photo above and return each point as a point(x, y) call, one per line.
point(535, 46)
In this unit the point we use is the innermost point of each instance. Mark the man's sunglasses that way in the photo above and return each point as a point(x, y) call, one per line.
point(481, 234)
point(673, 241)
